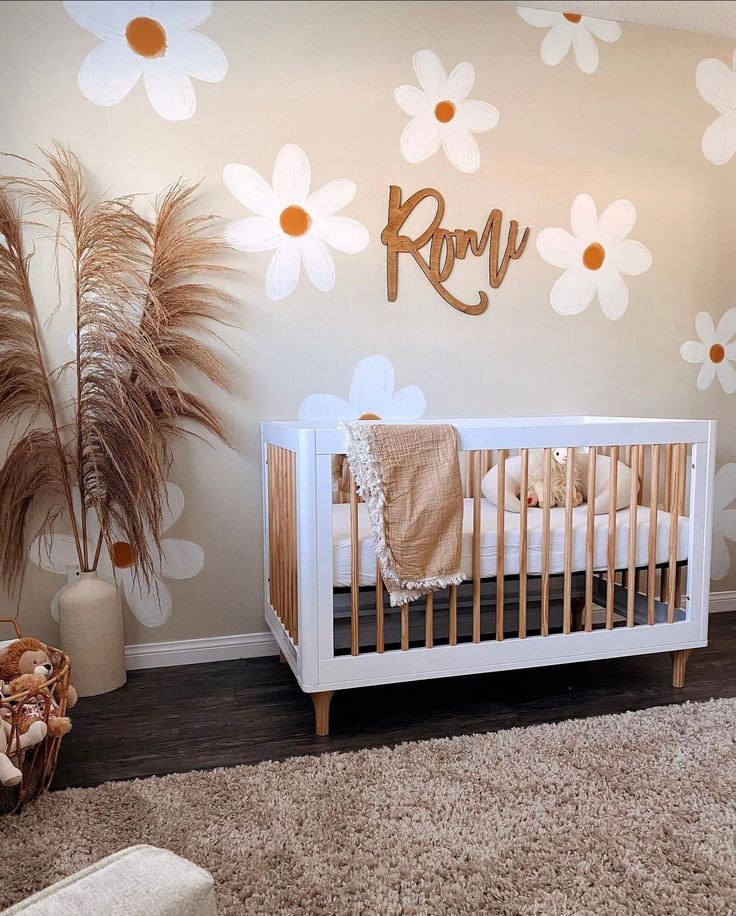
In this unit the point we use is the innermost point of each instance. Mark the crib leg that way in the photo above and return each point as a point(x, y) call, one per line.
point(322, 702)
point(679, 664)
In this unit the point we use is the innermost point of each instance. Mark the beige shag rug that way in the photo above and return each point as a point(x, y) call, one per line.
point(633, 813)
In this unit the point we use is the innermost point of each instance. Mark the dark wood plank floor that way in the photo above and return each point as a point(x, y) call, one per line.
point(202, 716)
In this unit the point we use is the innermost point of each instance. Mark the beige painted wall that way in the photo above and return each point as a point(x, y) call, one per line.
point(321, 75)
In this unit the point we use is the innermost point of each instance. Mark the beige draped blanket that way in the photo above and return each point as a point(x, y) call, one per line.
point(409, 477)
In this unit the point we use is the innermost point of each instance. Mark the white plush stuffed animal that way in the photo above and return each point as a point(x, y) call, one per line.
point(536, 495)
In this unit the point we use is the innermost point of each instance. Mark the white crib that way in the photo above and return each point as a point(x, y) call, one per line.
point(544, 586)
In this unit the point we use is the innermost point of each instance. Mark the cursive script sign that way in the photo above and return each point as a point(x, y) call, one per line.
point(446, 246)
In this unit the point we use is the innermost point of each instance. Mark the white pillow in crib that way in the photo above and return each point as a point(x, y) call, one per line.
point(489, 484)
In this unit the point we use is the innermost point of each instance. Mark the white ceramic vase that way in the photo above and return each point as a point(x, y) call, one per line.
point(91, 626)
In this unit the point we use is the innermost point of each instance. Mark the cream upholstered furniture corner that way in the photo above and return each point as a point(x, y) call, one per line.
point(137, 881)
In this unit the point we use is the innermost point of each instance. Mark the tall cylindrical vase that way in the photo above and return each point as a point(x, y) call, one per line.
point(91, 626)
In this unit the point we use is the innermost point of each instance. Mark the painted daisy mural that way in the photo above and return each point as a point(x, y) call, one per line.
point(716, 82)
point(571, 30)
point(596, 257)
point(297, 226)
point(371, 397)
point(715, 350)
point(442, 114)
point(155, 40)
point(724, 519)
point(150, 602)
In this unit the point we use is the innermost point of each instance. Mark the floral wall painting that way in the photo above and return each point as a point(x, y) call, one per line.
point(715, 350)
point(296, 225)
point(567, 30)
point(150, 602)
point(596, 256)
point(716, 82)
point(371, 396)
point(724, 519)
point(442, 114)
point(155, 40)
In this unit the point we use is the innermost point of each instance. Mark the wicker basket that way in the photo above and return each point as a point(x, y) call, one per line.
point(38, 763)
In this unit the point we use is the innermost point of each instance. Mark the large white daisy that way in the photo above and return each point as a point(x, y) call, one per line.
point(442, 114)
point(724, 519)
point(595, 256)
point(715, 350)
point(371, 396)
point(151, 604)
point(570, 29)
point(299, 225)
point(716, 82)
point(152, 39)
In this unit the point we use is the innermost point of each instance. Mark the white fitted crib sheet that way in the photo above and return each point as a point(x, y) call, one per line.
point(341, 557)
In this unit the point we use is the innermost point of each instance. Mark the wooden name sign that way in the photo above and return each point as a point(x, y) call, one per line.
point(446, 246)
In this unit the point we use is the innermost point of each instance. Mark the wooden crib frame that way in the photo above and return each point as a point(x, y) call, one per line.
point(648, 601)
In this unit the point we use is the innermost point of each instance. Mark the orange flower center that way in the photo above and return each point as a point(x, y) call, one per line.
point(594, 255)
point(717, 353)
point(121, 554)
point(369, 416)
point(146, 37)
point(572, 17)
point(444, 111)
point(295, 220)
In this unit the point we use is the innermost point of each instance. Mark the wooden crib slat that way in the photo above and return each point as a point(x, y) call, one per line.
point(590, 541)
point(546, 480)
point(681, 511)
point(469, 474)
point(429, 620)
point(486, 461)
point(354, 570)
point(500, 541)
point(611, 569)
point(523, 534)
point(453, 615)
point(666, 507)
point(404, 627)
point(567, 579)
point(380, 619)
point(631, 579)
point(476, 546)
point(652, 546)
point(674, 519)
point(280, 606)
point(292, 548)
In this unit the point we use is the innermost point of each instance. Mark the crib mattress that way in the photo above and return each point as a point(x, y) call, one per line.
point(341, 553)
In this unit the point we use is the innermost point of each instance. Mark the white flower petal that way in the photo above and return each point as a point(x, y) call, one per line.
point(478, 116)
point(250, 189)
point(109, 72)
point(431, 74)
point(631, 258)
point(724, 489)
point(151, 606)
point(292, 175)
point(731, 350)
point(726, 376)
point(411, 100)
point(605, 29)
point(372, 385)
point(460, 82)
point(726, 327)
point(420, 139)
point(693, 351)
point(253, 234)
point(613, 294)
point(331, 198)
point(198, 56)
point(584, 217)
point(556, 43)
point(721, 558)
point(585, 50)
point(170, 91)
point(327, 407)
point(616, 221)
point(541, 19)
point(318, 263)
point(716, 82)
point(725, 523)
point(172, 505)
point(461, 148)
point(342, 233)
point(54, 555)
point(408, 403)
point(181, 559)
point(573, 292)
point(104, 19)
point(282, 274)
point(706, 375)
point(558, 247)
point(719, 139)
point(181, 15)
point(705, 328)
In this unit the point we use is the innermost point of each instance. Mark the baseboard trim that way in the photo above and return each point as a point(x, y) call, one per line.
point(256, 645)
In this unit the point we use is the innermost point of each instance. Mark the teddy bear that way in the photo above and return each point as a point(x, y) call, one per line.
point(30, 656)
point(536, 495)
point(33, 709)
point(11, 750)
